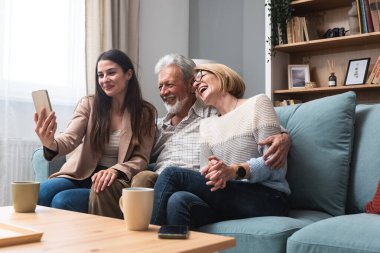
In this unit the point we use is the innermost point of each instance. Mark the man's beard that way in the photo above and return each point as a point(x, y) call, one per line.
point(177, 107)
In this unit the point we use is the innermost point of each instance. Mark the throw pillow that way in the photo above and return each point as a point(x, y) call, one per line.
point(374, 205)
point(319, 158)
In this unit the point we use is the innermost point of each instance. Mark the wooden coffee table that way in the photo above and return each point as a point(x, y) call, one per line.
point(65, 231)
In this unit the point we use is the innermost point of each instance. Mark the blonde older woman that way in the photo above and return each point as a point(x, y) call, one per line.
point(234, 182)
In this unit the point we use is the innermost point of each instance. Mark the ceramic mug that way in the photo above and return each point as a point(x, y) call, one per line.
point(25, 196)
point(136, 203)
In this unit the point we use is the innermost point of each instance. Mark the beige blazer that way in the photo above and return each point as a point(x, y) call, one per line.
point(133, 155)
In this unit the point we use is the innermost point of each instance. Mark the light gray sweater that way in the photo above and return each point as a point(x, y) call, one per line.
point(233, 138)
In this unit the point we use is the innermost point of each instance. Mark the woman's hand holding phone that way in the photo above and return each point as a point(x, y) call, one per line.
point(44, 117)
point(45, 129)
point(41, 100)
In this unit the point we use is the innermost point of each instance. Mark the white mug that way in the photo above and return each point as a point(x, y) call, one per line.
point(25, 196)
point(136, 203)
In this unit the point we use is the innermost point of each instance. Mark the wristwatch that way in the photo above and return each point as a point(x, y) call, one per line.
point(240, 173)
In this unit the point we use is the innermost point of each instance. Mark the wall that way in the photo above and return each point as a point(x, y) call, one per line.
point(216, 31)
point(164, 28)
point(254, 56)
point(230, 32)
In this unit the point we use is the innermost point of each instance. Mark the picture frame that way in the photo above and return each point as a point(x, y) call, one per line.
point(357, 71)
point(298, 76)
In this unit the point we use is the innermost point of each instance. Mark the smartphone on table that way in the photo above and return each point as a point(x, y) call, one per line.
point(41, 99)
point(173, 232)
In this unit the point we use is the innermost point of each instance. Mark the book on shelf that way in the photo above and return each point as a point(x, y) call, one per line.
point(375, 69)
point(359, 16)
point(289, 31)
point(287, 102)
point(364, 18)
point(296, 29)
point(374, 6)
point(368, 16)
point(376, 79)
point(378, 10)
point(299, 29)
point(304, 29)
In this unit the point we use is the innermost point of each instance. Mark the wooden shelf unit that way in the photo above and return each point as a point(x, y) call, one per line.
point(317, 52)
point(328, 89)
point(307, 6)
point(331, 43)
point(366, 93)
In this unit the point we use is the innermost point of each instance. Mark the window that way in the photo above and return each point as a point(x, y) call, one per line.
point(42, 47)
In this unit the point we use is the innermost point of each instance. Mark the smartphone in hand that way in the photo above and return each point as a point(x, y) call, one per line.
point(173, 232)
point(41, 99)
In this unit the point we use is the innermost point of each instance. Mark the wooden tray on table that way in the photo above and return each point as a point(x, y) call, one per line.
point(11, 235)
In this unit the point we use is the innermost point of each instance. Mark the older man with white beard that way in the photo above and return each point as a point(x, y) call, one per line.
point(177, 140)
point(177, 135)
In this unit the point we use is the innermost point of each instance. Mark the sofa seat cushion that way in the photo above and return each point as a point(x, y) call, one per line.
point(357, 233)
point(263, 234)
point(322, 134)
point(308, 216)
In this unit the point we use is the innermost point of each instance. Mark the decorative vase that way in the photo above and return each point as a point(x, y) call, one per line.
point(332, 80)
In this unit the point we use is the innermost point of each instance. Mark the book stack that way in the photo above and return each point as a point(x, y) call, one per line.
point(374, 77)
point(368, 15)
point(298, 29)
point(287, 102)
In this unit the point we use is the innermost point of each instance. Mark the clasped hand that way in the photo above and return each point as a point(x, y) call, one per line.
point(217, 173)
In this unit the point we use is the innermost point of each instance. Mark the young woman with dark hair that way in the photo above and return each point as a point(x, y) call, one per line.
point(110, 136)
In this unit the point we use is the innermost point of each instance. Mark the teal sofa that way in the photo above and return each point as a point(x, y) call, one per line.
point(333, 171)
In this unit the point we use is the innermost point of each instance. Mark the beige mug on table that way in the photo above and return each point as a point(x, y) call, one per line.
point(25, 196)
point(136, 203)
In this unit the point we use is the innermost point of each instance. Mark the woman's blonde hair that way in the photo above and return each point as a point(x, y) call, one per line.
point(230, 81)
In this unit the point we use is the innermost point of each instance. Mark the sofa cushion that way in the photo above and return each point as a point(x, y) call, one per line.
point(319, 158)
point(347, 233)
point(365, 165)
point(263, 234)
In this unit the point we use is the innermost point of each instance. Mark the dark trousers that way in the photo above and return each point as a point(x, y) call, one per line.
point(181, 197)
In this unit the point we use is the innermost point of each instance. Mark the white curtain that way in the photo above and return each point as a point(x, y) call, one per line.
point(42, 46)
point(110, 24)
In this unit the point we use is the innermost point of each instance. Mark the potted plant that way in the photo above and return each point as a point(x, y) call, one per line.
point(279, 14)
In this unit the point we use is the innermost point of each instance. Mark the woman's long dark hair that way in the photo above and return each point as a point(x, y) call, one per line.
point(143, 114)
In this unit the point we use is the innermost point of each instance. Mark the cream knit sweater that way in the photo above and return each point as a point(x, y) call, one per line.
point(233, 138)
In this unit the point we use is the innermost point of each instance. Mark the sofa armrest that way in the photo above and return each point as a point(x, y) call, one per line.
point(43, 168)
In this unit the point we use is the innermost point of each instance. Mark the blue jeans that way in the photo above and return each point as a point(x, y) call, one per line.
point(65, 193)
point(181, 197)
